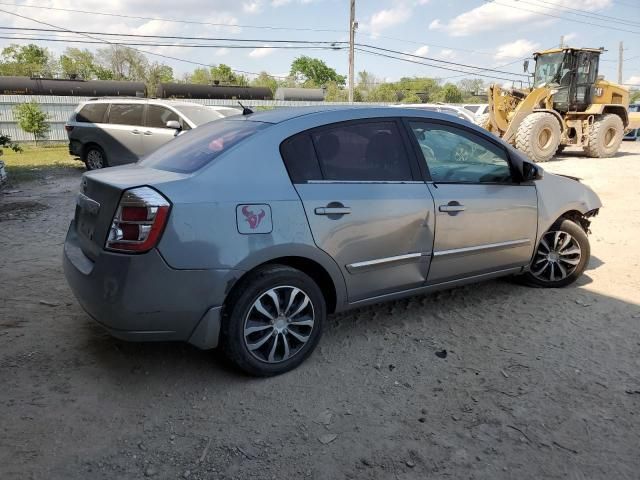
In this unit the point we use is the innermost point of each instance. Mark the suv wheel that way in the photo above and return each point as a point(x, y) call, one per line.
point(274, 322)
point(94, 158)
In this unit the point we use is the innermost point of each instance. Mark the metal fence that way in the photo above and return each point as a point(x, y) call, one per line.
point(60, 109)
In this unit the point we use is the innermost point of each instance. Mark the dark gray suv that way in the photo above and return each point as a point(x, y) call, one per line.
point(247, 232)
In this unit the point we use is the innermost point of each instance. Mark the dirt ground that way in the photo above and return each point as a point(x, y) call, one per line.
point(537, 384)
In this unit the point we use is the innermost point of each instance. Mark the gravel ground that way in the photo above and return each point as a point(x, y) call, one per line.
point(538, 384)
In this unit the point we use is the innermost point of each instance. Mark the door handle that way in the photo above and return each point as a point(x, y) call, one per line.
point(332, 211)
point(148, 132)
point(135, 132)
point(452, 207)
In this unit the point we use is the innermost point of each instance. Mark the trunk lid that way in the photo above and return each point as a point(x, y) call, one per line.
point(99, 196)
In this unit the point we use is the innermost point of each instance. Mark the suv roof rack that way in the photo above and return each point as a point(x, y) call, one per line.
point(124, 97)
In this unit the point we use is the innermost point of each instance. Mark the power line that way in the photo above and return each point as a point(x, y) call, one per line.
point(537, 12)
point(169, 20)
point(447, 62)
point(136, 49)
point(430, 65)
point(582, 13)
point(172, 37)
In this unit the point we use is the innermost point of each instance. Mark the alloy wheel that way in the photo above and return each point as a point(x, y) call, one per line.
point(279, 324)
point(557, 257)
point(95, 159)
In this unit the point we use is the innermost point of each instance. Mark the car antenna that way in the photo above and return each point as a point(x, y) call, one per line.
point(245, 110)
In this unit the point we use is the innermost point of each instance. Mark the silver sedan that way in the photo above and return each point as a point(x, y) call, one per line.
point(247, 232)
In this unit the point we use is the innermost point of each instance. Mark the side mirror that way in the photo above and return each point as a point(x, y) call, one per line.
point(525, 66)
point(174, 124)
point(531, 172)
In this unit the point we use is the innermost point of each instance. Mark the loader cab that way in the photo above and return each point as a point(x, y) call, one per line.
point(572, 72)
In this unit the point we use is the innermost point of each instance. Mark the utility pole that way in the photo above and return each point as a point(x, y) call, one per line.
point(620, 55)
point(352, 36)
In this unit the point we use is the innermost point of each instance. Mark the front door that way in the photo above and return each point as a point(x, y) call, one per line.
point(155, 134)
point(485, 220)
point(366, 206)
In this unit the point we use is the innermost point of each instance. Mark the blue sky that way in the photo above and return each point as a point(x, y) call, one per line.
point(488, 34)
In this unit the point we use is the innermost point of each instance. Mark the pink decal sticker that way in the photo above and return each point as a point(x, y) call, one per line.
point(253, 219)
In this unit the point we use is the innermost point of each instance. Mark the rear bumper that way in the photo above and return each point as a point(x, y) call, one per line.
point(141, 298)
point(75, 148)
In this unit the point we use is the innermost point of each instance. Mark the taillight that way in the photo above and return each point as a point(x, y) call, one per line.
point(139, 220)
point(68, 128)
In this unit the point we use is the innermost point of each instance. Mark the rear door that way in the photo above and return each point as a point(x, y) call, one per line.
point(122, 135)
point(156, 133)
point(485, 220)
point(366, 205)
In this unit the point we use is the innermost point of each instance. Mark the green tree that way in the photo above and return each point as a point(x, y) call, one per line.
point(125, 63)
point(79, 63)
point(411, 98)
point(201, 76)
point(32, 119)
point(635, 96)
point(313, 72)
point(451, 94)
point(265, 80)
point(155, 74)
point(385, 92)
point(27, 60)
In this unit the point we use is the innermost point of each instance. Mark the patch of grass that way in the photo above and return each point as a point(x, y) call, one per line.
point(38, 162)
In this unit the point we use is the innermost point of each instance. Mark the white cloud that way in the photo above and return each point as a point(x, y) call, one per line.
point(252, 7)
point(435, 24)
point(390, 17)
point(422, 2)
point(519, 48)
point(221, 52)
point(279, 3)
point(633, 80)
point(447, 53)
point(422, 51)
point(493, 16)
point(261, 52)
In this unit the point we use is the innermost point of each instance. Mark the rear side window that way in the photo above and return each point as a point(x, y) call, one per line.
point(362, 151)
point(157, 116)
point(199, 147)
point(300, 158)
point(92, 113)
point(126, 114)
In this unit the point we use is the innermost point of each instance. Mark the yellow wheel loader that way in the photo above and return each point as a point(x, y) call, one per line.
point(568, 105)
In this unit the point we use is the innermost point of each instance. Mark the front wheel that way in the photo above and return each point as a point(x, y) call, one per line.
point(274, 321)
point(561, 257)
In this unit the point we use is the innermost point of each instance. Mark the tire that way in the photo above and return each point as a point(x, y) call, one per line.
point(560, 149)
point(538, 136)
point(95, 158)
point(605, 136)
point(253, 307)
point(572, 243)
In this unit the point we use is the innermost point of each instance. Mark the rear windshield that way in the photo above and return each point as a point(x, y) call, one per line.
point(198, 147)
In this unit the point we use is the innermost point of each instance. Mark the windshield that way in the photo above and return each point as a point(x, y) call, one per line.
point(548, 69)
point(199, 114)
point(198, 147)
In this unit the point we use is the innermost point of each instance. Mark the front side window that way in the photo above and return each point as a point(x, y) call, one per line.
point(362, 151)
point(126, 114)
point(157, 116)
point(550, 69)
point(454, 155)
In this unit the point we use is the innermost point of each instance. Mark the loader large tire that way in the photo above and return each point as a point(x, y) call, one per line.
point(538, 136)
point(605, 136)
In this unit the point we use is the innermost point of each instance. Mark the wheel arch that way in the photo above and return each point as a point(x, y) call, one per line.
point(88, 145)
point(310, 261)
point(617, 110)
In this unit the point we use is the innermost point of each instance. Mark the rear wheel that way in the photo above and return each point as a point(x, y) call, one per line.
point(538, 136)
point(95, 158)
point(605, 136)
point(274, 321)
point(561, 257)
